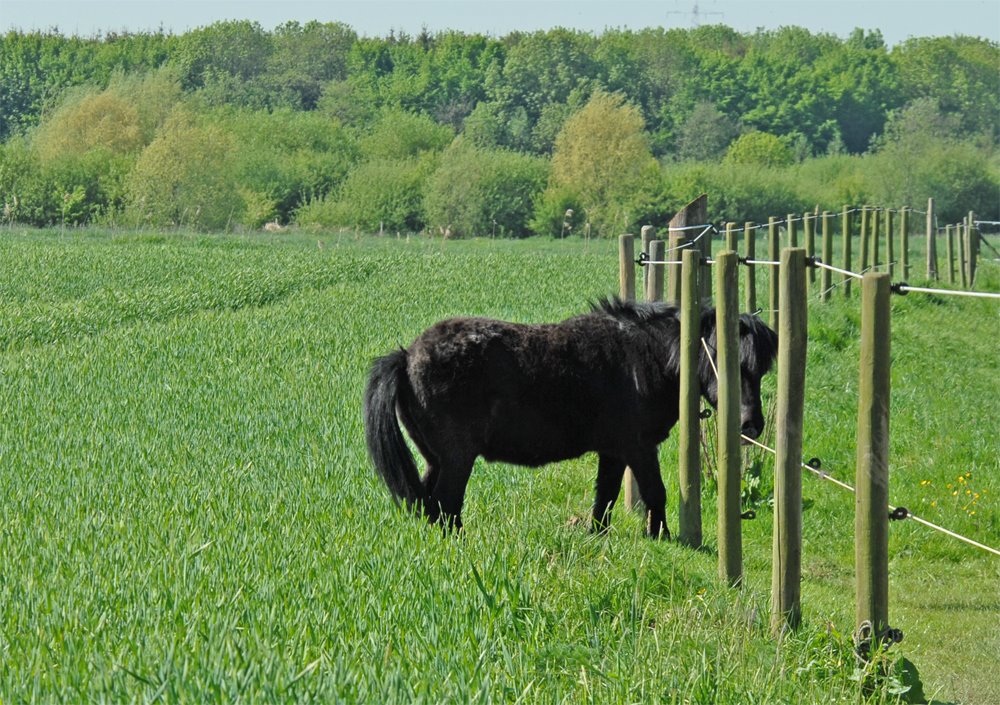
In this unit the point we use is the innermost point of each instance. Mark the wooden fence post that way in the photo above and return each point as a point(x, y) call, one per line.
point(845, 231)
point(706, 282)
point(626, 290)
point(731, 237)
point(727, 332)
point(827, 257)
point(873, 240)
point(871, 517)
point(904, 240)
point(962, 236)
point(772, 256)
point(950, 242)
point(889, 259)
point(647, 234)
point(932, 265)
point(809, 225)
point(689, 440)
point(654, 272)
point(750, 252)
point(673, 291)
point(865, 234)
point(793, 236)
point(972, 248)
point(786, 561)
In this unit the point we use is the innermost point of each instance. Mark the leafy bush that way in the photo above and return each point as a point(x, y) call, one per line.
point(483, 192)
point(286, 158)
point(760, 148)
point(185, 178)
point(559, 212)
point(383, 194)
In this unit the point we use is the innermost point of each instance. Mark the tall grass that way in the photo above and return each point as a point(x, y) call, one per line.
point(189, 514)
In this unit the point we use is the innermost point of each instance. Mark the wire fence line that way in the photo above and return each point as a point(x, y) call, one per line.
point(822, 474)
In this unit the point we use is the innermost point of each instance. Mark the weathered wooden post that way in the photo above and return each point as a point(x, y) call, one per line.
point(689, 440)
point(871, 504)
point(873, 240)
point(809, 224)
point(772, 256)
point(827, 257)
point(793, 236)
point(727, 331)
point(904, 240)
point(655, 272)
point(648, 233)
point(890, 263)
point(750, 252)
point(731, 237)
point(845, 228)
point(694, 213)
point(786, 561)
point(932, 265)
point(962, 236)
point(950, 243)
point(626, 289)
point(972, 248)
point(865, 233)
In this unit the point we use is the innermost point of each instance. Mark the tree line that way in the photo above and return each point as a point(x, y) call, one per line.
point(553, 132)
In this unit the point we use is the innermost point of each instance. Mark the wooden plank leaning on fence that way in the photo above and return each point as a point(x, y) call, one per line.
point(786, 560)
point(694, 213)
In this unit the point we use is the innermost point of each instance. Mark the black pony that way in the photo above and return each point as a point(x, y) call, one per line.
point(605, 381)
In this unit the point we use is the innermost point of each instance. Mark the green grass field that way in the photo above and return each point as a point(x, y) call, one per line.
point(188, 513)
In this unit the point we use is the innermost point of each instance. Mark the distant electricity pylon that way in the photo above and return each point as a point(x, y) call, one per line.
point(695, 14)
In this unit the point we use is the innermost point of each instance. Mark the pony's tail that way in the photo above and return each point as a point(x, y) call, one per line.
point(386, 444)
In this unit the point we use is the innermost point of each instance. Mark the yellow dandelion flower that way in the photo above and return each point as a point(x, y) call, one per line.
point(968, 474)
point(961, 479)
point(972, 512)
point(955, 493)
point(949, 485)
point(968, 492)
point(976, 495)
point(933, 502)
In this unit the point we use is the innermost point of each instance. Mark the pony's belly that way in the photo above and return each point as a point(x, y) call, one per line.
point(534, 446)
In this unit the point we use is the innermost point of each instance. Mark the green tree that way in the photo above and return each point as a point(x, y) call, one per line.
point(705, 134)
point(600, 154)
point(184, 178)
point(398, 134)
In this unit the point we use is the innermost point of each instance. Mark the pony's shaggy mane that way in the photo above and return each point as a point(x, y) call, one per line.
point(634, 311)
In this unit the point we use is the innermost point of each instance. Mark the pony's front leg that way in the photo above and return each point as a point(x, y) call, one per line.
point(646, 469)
point(609, 483)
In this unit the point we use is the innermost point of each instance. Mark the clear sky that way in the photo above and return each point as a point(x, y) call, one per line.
point(897, 19)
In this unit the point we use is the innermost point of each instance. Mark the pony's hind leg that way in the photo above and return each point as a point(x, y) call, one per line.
point(646, 469)
point(448, 493)
point(609, 483)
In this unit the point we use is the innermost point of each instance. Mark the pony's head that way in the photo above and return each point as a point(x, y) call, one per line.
point(758, 349)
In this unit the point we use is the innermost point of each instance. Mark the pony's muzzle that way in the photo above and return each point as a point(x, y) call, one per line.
point(750, 430)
